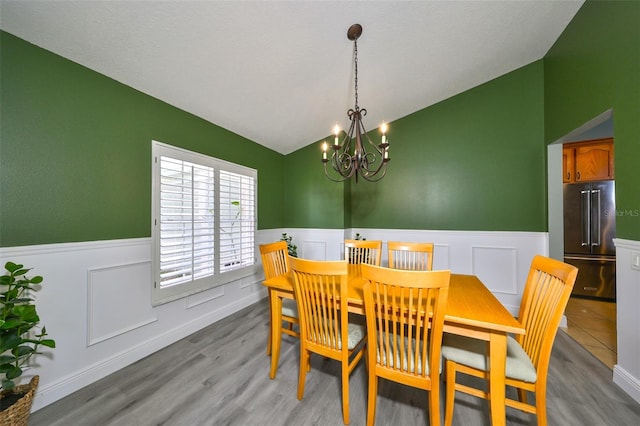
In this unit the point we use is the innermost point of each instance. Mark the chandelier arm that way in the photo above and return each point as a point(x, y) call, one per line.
point(343, 164)
point(331, 178)
point(370, 158)
point(349, 134)
point(367, 169)
point(377, 178)
point(379, 148)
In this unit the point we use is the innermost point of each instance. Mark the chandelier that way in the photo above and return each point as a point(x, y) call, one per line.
point(354, 155)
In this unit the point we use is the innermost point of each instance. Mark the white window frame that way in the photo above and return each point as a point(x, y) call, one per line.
point(217, 272)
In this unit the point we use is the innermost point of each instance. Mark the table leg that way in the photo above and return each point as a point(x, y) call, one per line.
point(497, 369)
point(276, 319)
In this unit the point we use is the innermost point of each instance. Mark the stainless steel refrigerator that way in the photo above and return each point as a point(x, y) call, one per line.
point(589, 230)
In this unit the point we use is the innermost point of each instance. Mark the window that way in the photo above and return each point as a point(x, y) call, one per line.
point(204, 222)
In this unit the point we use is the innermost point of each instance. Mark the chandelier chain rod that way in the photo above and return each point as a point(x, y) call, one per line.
point(355, 60)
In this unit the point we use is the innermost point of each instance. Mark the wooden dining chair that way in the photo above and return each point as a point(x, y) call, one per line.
point(404, 311)
point(321, 291)
point(275, 261)
point(410, 256)
point(545, 297)
point(363, 251)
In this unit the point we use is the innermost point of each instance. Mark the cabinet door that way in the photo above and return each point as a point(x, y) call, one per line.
point(568, 165)
point(594, 161)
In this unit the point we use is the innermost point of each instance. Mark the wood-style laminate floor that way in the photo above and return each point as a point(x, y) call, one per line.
point(219, 376)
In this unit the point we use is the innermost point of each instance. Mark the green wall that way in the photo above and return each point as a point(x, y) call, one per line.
point(312, 201)
point(475, 161)
point(472, 162)
point(75, 152)
point(595, 66)
point(75, 146)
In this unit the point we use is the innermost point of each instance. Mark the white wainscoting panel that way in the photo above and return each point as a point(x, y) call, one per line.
point(314, 250)
point(119, 300)
point(95, 301)
point(626, 373)
point(496, 268)
point(441, 256)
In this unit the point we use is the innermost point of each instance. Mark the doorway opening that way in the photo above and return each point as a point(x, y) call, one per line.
point(589, 321)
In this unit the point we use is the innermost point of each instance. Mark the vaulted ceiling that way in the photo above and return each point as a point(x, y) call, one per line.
point(281, 72)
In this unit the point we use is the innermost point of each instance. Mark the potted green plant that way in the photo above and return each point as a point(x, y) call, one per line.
point(291, 248)
point(19, 341)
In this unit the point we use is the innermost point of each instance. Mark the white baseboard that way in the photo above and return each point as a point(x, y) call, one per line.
point(627, 382)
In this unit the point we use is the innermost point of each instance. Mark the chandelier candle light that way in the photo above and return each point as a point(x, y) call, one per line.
point(368, 161)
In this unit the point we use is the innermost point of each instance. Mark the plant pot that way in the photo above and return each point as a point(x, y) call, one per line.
point(18, 413)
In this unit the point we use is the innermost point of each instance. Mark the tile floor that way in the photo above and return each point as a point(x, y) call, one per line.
point(592, 323)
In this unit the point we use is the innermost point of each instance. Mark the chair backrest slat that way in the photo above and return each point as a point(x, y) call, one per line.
point(321, 293)
point(410, 256)
point(363, 251)
point(546, 293)
point(275, 259)
point(405, 318)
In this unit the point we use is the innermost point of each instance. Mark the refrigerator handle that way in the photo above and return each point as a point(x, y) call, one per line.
point(585, 205)
point(595, 195)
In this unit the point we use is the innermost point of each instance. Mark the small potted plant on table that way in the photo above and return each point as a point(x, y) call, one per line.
point(292, 249)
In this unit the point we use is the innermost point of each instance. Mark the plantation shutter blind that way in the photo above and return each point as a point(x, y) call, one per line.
point(186, 221)
point(204, 222)
point(237, 207)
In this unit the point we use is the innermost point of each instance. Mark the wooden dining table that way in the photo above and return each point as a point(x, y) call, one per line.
point(472, 311)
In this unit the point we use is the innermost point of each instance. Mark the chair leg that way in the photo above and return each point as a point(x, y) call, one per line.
point(372, 398)
point(271, 325)
point(450, 392)
point(345, 391)
point(541, 413)
point(434, 402)
point(541, 403)
point(304, 367)
point(275, 352)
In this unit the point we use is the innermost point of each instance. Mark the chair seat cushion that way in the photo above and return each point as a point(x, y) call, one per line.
point(405, 364)
point(473, 353)
point(355, 334)
point(289, 308)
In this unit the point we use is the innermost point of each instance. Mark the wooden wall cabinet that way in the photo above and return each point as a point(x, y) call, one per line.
point(588, 161)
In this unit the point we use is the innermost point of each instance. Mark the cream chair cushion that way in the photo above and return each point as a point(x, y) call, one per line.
point(289, 308)
point(473, 353)
point(355, 334)
point(405, 365)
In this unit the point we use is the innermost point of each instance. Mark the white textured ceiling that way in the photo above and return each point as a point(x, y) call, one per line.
point(281, 72)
